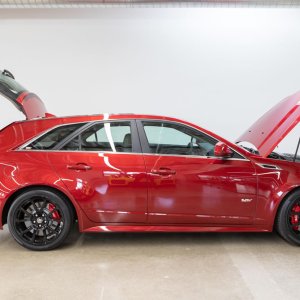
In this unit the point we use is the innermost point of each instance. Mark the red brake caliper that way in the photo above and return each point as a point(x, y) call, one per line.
point(55, 215)
point(295, 218)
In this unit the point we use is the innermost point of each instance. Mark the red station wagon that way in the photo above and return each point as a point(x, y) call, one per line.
point(114, 172)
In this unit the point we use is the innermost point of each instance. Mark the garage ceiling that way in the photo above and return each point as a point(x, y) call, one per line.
point(145, 3)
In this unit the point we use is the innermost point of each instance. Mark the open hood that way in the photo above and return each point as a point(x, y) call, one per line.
point(267, 132)
point(28, 103)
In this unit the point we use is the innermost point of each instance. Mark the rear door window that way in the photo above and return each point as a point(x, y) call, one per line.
point(109, 136)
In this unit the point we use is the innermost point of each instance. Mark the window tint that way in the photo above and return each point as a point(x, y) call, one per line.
point(114, 136)
point(170, 138)
point(53, 137)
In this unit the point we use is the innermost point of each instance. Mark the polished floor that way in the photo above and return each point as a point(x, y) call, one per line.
point(153, 266)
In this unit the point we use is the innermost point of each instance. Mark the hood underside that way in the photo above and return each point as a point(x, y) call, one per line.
point(268, 131)
point(28, 103)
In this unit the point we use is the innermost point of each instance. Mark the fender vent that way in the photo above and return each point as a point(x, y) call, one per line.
point(267, 166)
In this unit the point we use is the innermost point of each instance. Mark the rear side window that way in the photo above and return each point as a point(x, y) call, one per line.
point(50, 139)
point(110, 136)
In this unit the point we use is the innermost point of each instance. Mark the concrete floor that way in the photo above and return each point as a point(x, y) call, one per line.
point(153, 266)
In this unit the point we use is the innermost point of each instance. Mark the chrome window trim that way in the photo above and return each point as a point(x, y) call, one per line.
point(21, 148)
point(132, 153)
point(198, 156)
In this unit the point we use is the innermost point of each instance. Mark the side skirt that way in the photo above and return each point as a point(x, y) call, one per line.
point(162, 228)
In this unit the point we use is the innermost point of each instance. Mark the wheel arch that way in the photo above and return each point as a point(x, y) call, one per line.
point(18, 192)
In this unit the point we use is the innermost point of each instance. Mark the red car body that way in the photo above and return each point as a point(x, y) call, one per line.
point(117, 191)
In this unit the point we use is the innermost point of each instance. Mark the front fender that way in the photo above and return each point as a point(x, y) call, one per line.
point(273, 186)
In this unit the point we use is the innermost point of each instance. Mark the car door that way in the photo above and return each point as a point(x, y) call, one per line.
point(103, 169)
point(187, 184)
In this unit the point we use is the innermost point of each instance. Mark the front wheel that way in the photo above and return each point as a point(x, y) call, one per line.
point(288, 219)
point(40, 219)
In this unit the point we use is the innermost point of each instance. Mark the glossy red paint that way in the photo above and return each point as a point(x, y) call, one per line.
point(114, 189)
point(147, 192)
point(233, 190)
point(32, 105)
point(222, 150)
point(200, 191)
point(268, 131)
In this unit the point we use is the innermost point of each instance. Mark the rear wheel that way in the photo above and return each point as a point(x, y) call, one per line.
point(288, 219)
point(40, 219)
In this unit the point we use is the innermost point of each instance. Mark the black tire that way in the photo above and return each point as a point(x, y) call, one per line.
point(40, 219)
point(287, 221)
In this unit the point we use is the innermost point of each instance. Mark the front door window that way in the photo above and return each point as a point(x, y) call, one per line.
point(171, 138)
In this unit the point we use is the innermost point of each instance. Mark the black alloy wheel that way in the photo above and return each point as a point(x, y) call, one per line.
point(40, 219)
point(288, 219)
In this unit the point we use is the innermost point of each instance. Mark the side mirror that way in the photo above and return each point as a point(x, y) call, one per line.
point(222, 150)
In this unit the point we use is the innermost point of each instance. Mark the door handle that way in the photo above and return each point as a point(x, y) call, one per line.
point(79, 167)
point(163, 171)
point(111, 173)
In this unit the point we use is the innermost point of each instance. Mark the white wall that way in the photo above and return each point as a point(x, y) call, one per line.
point(219, 68)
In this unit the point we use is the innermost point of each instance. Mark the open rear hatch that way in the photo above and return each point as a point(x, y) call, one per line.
point(28, 103)
point(268, 131)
